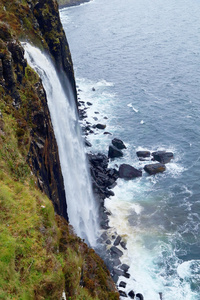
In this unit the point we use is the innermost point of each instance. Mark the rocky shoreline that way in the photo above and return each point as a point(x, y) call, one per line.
point(112, 246)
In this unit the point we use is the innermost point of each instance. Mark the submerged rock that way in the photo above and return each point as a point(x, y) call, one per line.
point(153, 169)
point(118, 144)
point(163, 156)
point(128, 172)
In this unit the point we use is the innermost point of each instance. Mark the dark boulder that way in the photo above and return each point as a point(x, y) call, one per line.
point(122, 294)
point(140, 296)
point(143, 154)
point(117, 241)
point(106, 132)
point(89, 103)
point(124, 267)
point(115, 252)
point(122, 284)
point(131, 294)
point(128, 172)
point(123, 245)
point(114, 152)
point(163, 156)
point(153, 169)
point(100, 126)
point(118, 144)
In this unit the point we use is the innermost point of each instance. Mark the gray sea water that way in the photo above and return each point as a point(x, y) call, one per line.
point(143, 60)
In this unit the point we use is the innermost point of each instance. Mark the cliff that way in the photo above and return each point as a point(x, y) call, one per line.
point(40, 256)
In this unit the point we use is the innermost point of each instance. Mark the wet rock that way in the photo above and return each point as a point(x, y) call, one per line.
point(87, 143)
point(114, 152)
point(104, 224)
point(123, 245)
point(153, 169)
point(118, 272)
point(127, 275)
point(104, 236)
point(122, 294)
point(100, 126)
point(115, 252)
point(118, 144)
point(122, 284)
point(163, 156)
point(116, 262)
point(108, 242)
point(93, 89)
point(131, 294)
point(115, 278)
point(128, 172)
point(82, 114)
point(143, 154)
point(160, 294)
point(117, 241)
point(106, 132)
point(124, 267)
point(89, 103)
point(139, 296)
point(95, 118)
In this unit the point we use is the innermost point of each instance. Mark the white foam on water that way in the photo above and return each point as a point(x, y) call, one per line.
point(128, 213)
point(134, 109)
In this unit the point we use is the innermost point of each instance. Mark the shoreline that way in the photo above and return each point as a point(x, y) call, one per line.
point(71, 3)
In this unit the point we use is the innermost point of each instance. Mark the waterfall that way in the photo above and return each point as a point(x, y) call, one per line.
point(81, 206)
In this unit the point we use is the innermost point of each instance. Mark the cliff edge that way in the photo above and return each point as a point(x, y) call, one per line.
point(40, 256)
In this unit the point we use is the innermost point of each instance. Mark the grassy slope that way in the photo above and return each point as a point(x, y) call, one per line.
point(40, 257)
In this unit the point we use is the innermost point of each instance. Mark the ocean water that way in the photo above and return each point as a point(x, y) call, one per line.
point(142, 58)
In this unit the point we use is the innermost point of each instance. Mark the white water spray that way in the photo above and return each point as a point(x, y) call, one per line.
point(81, 206)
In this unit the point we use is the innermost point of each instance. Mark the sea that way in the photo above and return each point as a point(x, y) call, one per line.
point(138, 63)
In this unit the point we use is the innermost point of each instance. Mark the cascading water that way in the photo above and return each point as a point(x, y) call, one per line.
point(81, 207)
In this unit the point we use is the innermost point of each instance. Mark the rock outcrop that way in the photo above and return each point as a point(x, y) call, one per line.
point(128, 172)
point(153, 169)
point(163, 156)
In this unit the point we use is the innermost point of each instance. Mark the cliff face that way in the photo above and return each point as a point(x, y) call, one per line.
point(47, 32)
point(40, 256)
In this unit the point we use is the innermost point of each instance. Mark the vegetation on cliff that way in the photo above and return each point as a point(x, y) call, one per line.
point(40, 256)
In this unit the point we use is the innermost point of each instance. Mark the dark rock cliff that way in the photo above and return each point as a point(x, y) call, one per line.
point(37, 22)
point(24, 97)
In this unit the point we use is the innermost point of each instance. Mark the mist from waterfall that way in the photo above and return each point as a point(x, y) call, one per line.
point(81, 206)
